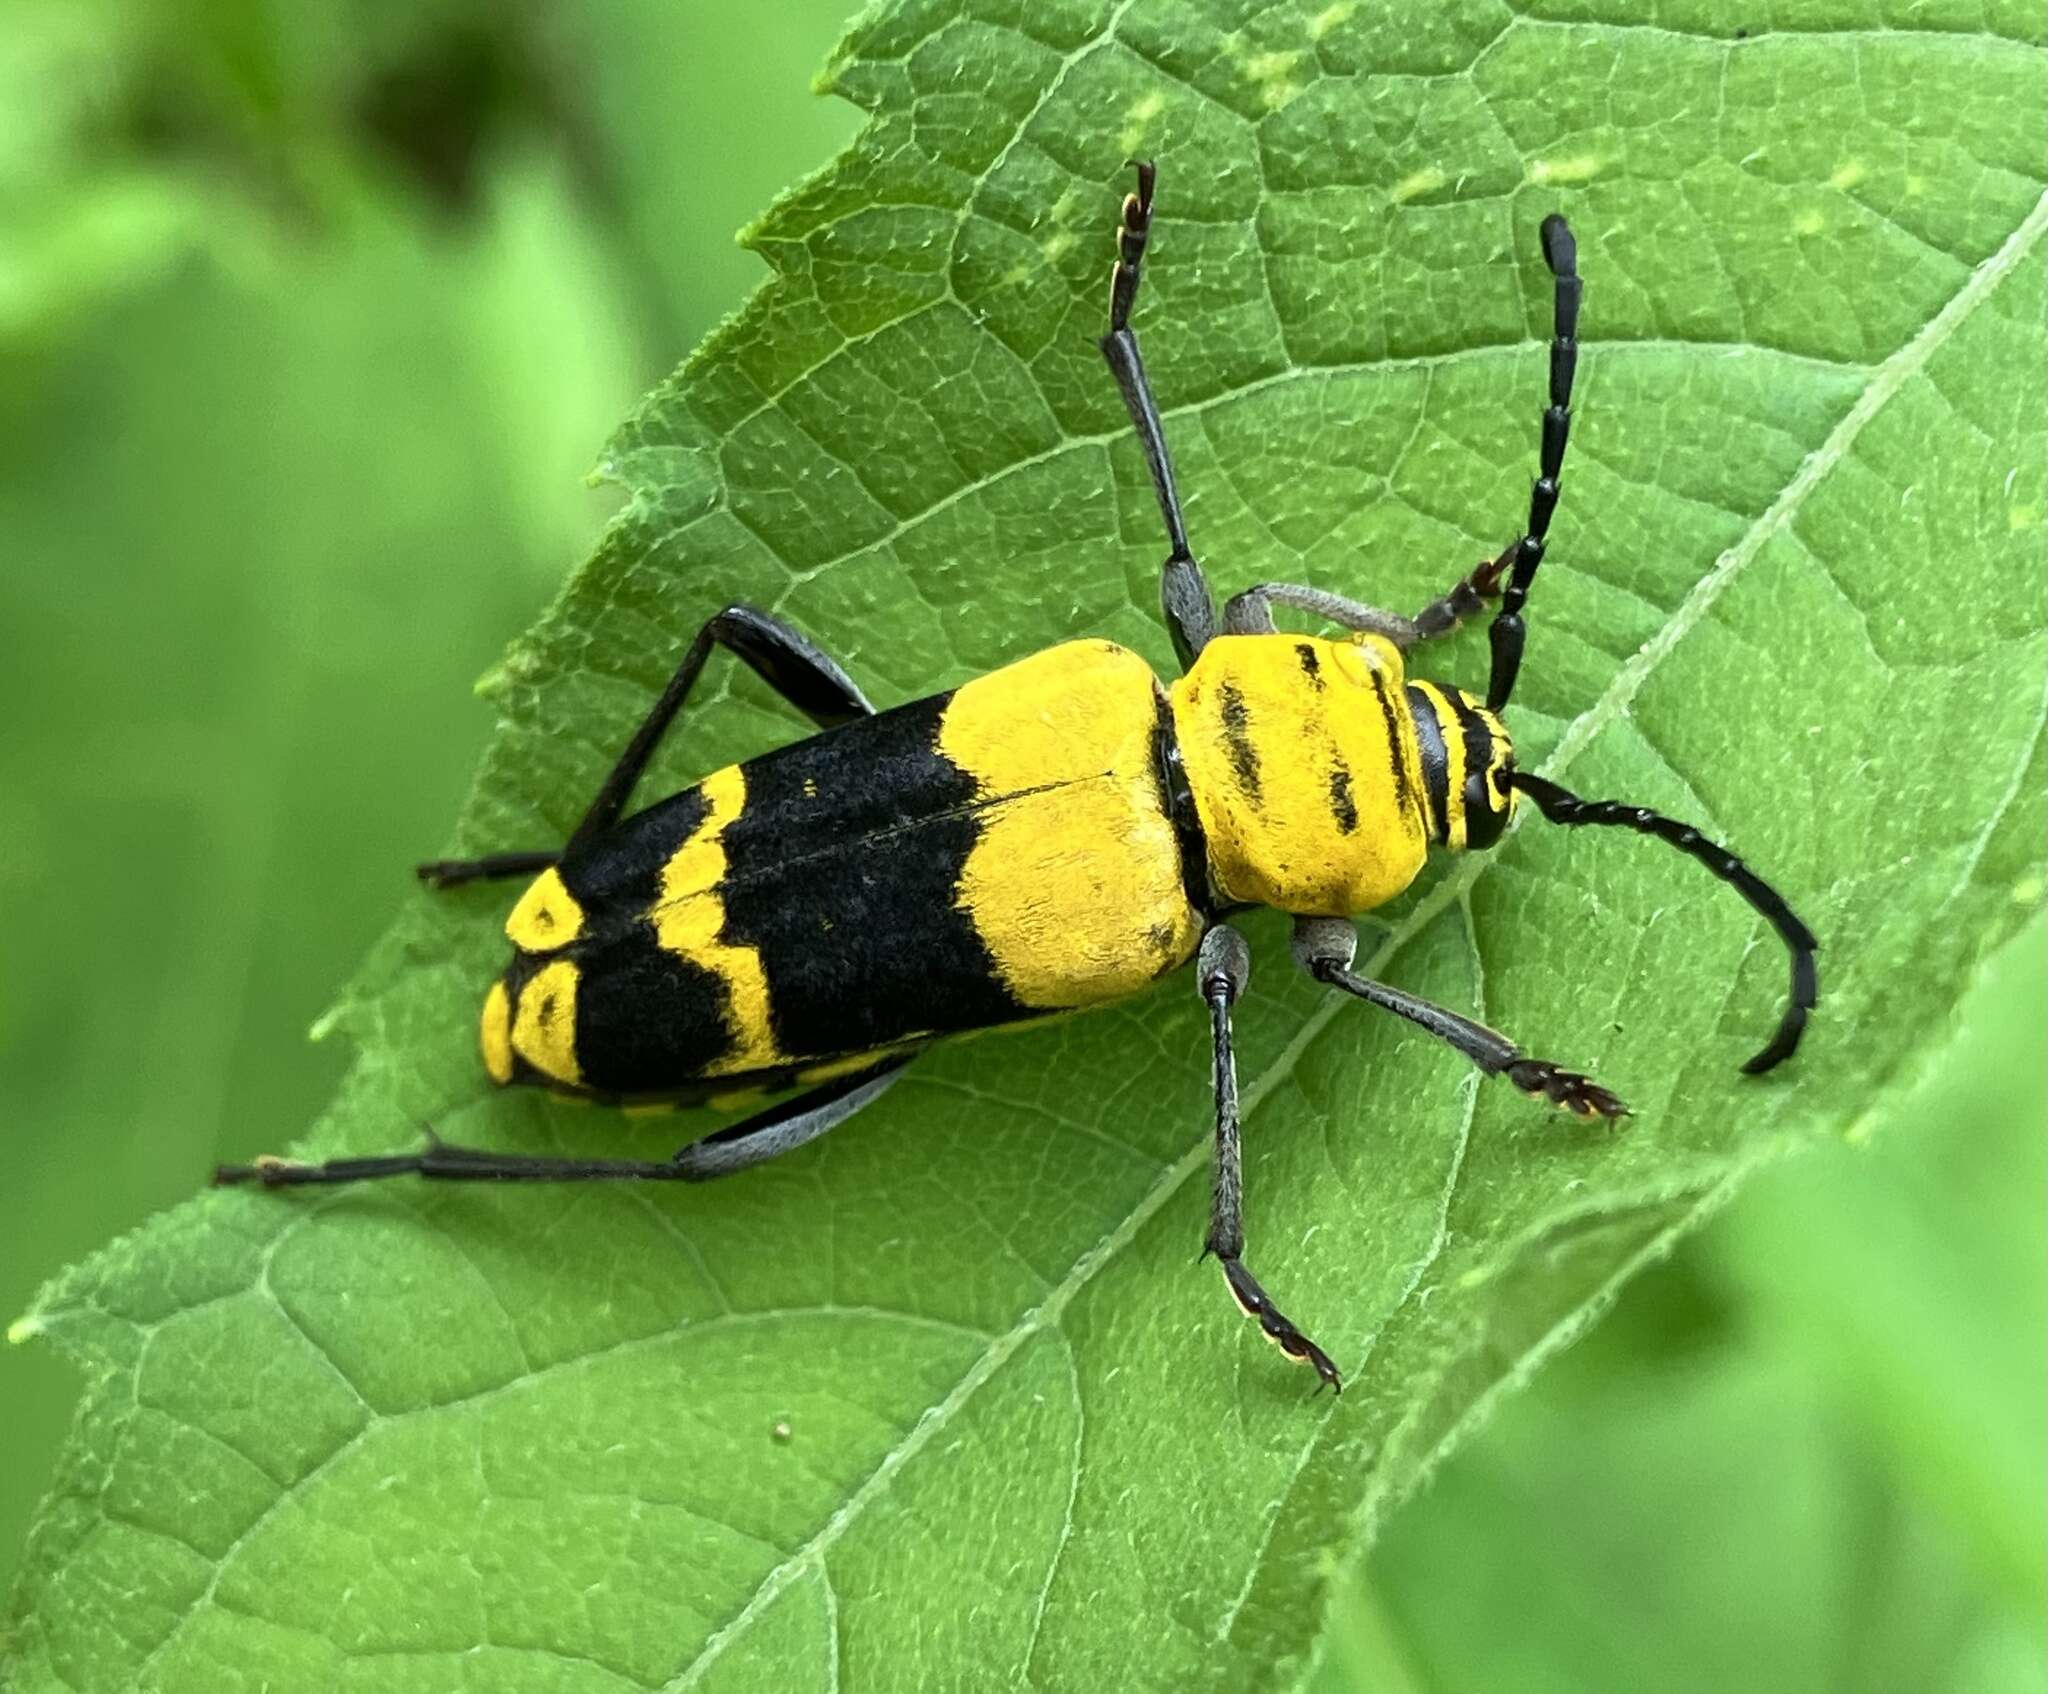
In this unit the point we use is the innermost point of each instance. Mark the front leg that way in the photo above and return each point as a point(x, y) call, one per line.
point(1221, 971)
point(1251, 612)
point(1183, 590)
point(1324, 947)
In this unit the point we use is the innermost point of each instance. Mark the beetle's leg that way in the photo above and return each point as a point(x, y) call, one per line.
point(809, 678)
point(1506, 635)
point(1251, 612)
point(781, 655)
point(1466, 596)
point(1222, 969)
point(452, 873)
point(801, 1118)
point(1183, 592)
point(788, 1125)
point(1324, 947)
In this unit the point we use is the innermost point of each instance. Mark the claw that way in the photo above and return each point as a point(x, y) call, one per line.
point(1485, 577)
point(1274, 1325)
point(1568, 1090)
point(267, 1168)
point(1308, 1353)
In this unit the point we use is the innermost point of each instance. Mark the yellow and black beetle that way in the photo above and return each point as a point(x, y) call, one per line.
point(1054, 835)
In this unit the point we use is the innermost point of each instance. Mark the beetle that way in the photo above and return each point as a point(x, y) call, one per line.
point(1053, 835)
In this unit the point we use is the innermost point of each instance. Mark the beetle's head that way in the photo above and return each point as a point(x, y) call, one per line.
point(1467, 761)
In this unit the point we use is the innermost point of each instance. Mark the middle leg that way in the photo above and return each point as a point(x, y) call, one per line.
point(789, 1123)
point(1324, 947)
point(1221, 970)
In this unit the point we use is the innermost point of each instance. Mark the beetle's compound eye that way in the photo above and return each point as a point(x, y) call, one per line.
point(1489, 800)
point(1467, 759)
point(1489, 762)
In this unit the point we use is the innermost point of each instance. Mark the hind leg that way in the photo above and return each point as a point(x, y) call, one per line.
point(803, 673)
point(803, 1117)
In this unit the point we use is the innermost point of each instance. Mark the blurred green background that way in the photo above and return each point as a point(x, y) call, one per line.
point(311, 323)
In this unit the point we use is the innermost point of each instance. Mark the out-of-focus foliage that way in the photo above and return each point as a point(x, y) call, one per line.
point(296, 452)
point(140, 133)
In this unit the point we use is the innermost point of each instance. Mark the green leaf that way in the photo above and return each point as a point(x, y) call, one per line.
point(941, 1400)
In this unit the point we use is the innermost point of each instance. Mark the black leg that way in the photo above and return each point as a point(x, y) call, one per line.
point(1560, 805)
point(791, 1124)
point(1222, 969)
point(803, 1117)
point(782, 656)
point(1506, 636)
point(452, 873)
point(1325, 947)
point(1467, 596)
point(1183, 592)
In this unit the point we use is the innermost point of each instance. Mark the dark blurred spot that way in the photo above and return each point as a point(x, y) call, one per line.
point(434, 112)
